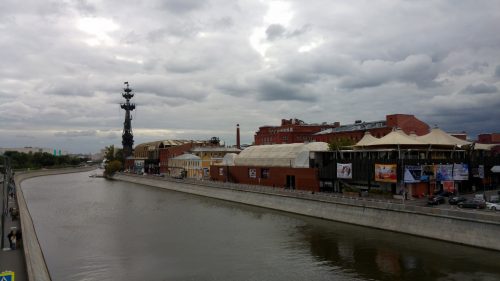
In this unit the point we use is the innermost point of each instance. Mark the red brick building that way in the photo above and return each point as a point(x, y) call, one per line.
point(355, 132)
point(493, 138)
point(279, 165)
point(290, 131)
point(284, 177)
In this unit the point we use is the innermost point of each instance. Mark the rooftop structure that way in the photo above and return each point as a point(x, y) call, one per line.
point(290, 131)
point(279, 155)
point(354, 132)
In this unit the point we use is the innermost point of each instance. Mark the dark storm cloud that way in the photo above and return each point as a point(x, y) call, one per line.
point(480, 88)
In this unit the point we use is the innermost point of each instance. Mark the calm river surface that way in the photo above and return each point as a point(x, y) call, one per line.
point(94, 229)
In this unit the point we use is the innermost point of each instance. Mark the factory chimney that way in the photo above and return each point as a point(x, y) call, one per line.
point(238, 136)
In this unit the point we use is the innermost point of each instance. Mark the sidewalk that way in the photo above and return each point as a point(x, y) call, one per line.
point(12, 260)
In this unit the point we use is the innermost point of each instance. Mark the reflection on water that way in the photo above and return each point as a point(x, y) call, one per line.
point(93, 229)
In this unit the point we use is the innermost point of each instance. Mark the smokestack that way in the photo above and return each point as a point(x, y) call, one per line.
point(238, 136)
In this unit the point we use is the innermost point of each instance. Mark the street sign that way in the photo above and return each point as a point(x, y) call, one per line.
point(7, 276)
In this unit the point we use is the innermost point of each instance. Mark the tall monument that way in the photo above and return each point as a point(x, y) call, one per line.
point(127, 136)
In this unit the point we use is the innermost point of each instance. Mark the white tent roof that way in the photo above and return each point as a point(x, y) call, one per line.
point(228, 159)
point(396, 137)
point(294, 155)
point(484, 146)
point(440, 137)
point(366, 140)
point(436, 137)
point(187, 156)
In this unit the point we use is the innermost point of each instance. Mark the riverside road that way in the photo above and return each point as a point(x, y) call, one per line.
point(95, 229)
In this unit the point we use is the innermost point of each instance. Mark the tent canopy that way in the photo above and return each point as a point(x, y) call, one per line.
point(440, 137)
point(294, 155)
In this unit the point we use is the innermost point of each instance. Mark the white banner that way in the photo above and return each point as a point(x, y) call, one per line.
point(344, 171)
point(460, 172)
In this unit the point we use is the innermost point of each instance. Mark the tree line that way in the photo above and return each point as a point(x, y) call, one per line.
point(21, 160)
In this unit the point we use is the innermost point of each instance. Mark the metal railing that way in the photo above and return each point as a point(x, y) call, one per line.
point(337, 198)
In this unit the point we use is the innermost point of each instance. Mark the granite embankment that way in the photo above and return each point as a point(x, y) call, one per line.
point(35, 262)
point(473, 228)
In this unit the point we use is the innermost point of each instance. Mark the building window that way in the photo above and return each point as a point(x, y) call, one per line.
point(265, 173)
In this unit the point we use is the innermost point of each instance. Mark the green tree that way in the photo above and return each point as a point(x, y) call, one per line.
point(339, 144)
point(110, 153)
point(112, 167)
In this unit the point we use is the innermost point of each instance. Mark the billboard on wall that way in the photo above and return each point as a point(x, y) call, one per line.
point(460, 172)
point(427, 173)
point(480, 171)
point(444, 172)
point(412, 174)
point(344, 171)
point(139, 166)
point(386, 172)
point(252, 173)
point(449, 186)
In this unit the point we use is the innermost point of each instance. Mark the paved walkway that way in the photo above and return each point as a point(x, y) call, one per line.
point(12, 260)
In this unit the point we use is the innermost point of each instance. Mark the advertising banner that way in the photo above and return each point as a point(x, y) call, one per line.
point(449, 186)
point(139, 166)
point(478, 172)
point(344, 171)
point(412, 174)
point(386, 172)
point(460, 172)
point(427, 173)
point(252, 173)
point(444, 172)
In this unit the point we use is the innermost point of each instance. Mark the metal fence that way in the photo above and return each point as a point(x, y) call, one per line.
point(338, 198)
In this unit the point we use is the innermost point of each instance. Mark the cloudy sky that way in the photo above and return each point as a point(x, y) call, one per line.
point(199, 67)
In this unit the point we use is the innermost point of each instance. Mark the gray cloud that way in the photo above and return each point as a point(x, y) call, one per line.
point(480, 88)
point(274, 90)
point(73, 134)
point(275, 31)
point(64, 63)
point(415, 69)
point(183, 6)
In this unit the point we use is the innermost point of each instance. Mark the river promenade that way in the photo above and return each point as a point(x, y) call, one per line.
point(27, 262)
point(466, 227)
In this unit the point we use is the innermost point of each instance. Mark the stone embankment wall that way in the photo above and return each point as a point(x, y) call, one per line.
point(478, 229)
point(35, 261)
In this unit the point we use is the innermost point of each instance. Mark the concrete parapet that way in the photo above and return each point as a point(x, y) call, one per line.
point(473, 229)
point(35, 262)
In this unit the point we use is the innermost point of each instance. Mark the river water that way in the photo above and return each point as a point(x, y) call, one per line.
point(95, 229)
